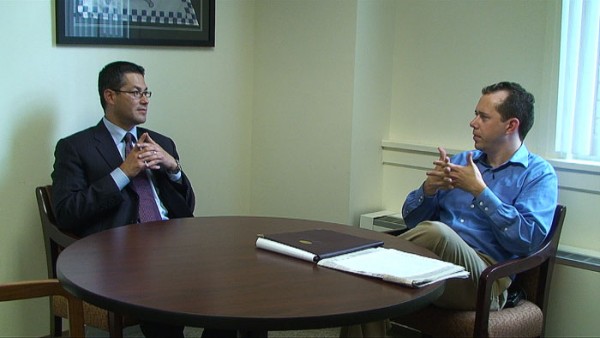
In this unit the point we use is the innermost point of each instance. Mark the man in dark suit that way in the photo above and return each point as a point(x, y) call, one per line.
point(94, 182)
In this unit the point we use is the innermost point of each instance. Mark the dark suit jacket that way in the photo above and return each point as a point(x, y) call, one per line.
point(85, 197)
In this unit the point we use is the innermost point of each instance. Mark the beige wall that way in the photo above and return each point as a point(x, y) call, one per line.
point(446, 51)
point(321, 107)
point(372, 100)
point(285, 116)
point(202, 97)
point(304, 71)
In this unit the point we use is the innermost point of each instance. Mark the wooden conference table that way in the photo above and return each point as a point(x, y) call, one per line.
point(207, 272)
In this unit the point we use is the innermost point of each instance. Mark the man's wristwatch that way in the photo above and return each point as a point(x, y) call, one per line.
point(177, 170)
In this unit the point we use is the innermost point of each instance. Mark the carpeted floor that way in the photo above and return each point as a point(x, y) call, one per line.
point(192, 332)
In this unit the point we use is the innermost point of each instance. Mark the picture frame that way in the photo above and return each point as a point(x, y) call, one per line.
point(136, 22)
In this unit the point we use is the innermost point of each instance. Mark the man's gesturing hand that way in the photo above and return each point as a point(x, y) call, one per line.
point(438, 178)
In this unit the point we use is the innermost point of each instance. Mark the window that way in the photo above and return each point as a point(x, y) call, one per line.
point(578, 120)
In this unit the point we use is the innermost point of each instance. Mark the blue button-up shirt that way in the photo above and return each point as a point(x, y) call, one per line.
point(510, 218)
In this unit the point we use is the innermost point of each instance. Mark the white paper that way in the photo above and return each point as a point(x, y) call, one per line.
point(395, 266)
point(388, 264)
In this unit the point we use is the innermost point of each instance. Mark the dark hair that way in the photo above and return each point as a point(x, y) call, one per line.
point(518, 104)
point(111, 76)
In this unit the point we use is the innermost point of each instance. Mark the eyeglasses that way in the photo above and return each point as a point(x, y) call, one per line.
point(135, 93)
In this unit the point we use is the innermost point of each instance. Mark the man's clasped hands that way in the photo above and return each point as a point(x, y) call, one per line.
point(447, 175)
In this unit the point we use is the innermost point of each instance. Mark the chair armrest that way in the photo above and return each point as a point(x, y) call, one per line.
point(512, 267)
point(31, 289)
point(62, 238)
point(45, 288)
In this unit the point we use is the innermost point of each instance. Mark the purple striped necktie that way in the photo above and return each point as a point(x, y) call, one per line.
point(148, 210)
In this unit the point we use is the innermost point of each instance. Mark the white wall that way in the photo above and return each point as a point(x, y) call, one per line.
point(285, 116)
point(446, 51)
point(303, 102)
point(372, 100)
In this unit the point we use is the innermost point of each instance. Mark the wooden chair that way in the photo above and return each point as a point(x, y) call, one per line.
point(525, 319)
point(46, 288)
point(56, 240)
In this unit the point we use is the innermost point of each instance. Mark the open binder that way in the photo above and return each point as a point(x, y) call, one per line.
point(361, 256)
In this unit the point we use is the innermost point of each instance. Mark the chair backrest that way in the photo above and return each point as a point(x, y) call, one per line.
point(54, 239)
point(536, 282)
point(46, 288)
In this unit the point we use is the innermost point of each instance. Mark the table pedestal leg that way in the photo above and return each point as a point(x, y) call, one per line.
point(253, 334)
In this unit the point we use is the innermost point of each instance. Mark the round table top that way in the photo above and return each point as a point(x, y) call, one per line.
point(207, 272)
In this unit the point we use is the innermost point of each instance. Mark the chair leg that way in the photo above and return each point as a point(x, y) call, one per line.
point(115, 325)
point(55, 326)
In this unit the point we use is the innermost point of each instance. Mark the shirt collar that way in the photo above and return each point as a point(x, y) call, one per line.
point(521, 156)
point(117, 133)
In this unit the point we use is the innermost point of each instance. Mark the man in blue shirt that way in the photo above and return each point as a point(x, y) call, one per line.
point(487, 205)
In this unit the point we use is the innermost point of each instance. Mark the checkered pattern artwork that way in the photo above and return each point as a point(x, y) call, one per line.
point(171, 12)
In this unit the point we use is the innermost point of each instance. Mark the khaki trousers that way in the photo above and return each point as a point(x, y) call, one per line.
point(459, 294)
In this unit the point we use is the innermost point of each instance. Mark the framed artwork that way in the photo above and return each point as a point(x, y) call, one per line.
point(136, 22)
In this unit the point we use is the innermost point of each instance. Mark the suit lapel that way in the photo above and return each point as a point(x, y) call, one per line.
point(140, 131)
point(106, 146)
